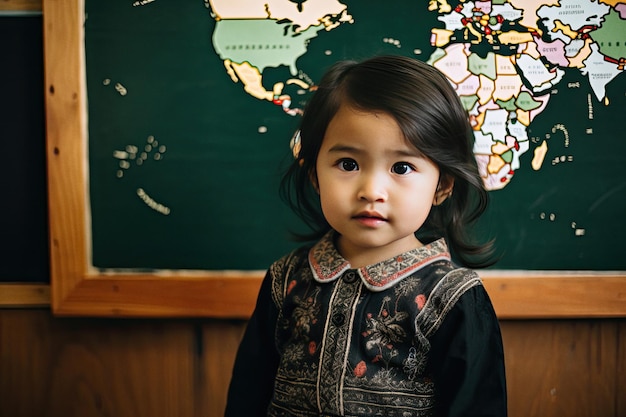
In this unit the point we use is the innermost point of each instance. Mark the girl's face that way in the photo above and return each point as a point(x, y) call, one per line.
point(375, 188)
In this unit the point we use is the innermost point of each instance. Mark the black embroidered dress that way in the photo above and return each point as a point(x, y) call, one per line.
point(409, 336)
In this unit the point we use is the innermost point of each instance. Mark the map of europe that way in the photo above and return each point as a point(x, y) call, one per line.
point(192, 105)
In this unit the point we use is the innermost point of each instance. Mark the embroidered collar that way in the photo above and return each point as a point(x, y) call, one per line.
point(327, 264)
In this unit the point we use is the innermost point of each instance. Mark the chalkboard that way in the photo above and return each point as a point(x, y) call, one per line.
point(166, 145)
point(180, 178)
point(23, 211)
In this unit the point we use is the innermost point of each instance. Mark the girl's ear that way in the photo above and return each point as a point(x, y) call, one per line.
point(444, 190)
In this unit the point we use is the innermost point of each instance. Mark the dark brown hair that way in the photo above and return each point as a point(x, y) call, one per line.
point(432, 119)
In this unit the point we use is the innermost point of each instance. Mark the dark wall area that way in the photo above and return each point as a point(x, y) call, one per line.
point(23, 206)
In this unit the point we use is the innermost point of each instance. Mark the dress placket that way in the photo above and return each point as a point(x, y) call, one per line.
point(336, 341)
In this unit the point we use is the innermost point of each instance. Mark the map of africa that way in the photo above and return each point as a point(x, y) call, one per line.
point(543, 83)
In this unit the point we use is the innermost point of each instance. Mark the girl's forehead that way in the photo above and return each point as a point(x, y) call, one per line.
point(353, 128)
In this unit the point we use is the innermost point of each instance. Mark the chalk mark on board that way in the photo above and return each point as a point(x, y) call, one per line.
point(132, 153)
point(134, 156)
point(150, 202)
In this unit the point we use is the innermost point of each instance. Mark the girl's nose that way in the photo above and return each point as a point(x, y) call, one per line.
point(372, 188)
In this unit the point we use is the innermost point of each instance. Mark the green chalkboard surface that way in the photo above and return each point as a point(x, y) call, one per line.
point(192, 104)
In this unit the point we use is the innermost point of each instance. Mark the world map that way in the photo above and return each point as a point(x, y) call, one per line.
point(192, 105)
point(502, 57)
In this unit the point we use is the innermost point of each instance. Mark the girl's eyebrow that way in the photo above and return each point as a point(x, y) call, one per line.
point(409, 152)
point(344, 148)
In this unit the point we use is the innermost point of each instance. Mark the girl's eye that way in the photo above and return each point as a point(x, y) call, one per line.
point(402, 168)
point(348, 165)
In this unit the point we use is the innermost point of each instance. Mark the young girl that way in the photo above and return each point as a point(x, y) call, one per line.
point(375, 319)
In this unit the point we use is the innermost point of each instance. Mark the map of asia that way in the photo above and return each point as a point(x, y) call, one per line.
point(192, 107)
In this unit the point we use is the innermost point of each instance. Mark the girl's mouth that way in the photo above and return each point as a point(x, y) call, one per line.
point(370, 219)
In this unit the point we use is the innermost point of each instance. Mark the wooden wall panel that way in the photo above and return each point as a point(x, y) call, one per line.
point(620, 370)
point(221, 339)
point(62, 367)
point(85, 367)
point(561, 368)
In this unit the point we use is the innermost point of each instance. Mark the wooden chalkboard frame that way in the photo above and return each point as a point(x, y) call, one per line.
point(77, 290)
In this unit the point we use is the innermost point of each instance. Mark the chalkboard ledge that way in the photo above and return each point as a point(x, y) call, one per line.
point(556, 294)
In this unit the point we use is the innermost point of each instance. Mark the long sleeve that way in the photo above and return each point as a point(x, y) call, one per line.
point(467, 360)
point(255, 367)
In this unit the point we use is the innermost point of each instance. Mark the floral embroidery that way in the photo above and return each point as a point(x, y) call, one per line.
point(420, 300)
point(411, 364)
point(305, 314)
point(383, 331)
point(292, 284)
point(360, 369)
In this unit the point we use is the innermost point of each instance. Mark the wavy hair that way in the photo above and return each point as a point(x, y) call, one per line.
point(431, 117)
